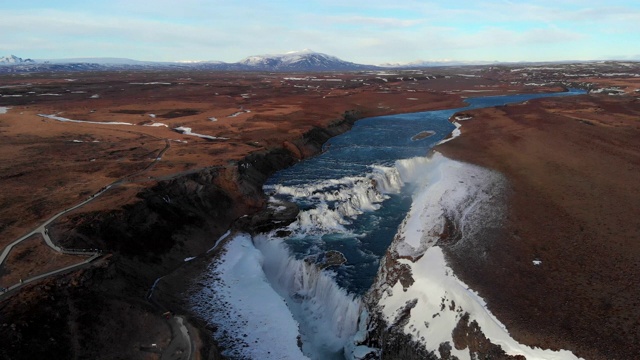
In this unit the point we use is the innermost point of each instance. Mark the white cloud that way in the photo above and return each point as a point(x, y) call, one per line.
point(367, 31)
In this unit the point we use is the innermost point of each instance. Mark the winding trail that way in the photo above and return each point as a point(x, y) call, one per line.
point(43, 230)
point(181, 346)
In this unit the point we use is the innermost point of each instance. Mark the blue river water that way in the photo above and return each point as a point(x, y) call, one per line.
point(352, 196)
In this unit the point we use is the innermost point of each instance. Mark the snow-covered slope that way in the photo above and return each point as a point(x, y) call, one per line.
point(251, 319)
point(305, 60)
point(12, 60)
point(418, 305)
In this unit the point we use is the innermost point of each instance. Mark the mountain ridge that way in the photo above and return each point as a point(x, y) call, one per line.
point(300, 60)
point(304, 60)
point(12, 59)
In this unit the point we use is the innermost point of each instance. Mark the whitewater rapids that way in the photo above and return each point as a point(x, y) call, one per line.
point(268, 299)
point(268, 304)
point(258, 294)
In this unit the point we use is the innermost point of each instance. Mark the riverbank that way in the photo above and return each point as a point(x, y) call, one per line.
point(561, 273)
point(175, 211)
point(359, 199)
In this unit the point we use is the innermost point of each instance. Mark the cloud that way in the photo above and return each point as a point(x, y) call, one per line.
point(559, 12)
point(81, 34)
point(367, 31)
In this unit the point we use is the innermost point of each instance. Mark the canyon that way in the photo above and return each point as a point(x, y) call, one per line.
point(178, 194)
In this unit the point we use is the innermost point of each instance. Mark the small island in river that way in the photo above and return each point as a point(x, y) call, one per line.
point(422, 135)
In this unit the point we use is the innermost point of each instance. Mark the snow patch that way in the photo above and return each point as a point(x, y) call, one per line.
point(298, 78)
point(235, 297)
point(220, 239)
point(59, 118)
point(449, 188)
point(454, 134)
point(463, 192)
point(187, 131)
point(238, 113)
point(4, 109)
point(150, 83)
point(435, 284)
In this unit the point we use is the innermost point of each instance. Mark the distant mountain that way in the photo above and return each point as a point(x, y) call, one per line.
point(14, 64)
point(12, 60)
point(305, 60)
point(101, 61)
point(295, 61)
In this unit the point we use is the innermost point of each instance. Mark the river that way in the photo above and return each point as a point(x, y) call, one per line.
point(352, 197)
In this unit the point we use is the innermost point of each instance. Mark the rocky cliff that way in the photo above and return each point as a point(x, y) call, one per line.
point(418, 307)
point(81, 315)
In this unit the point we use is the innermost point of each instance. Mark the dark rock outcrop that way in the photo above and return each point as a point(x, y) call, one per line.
point(468, 335)
point(391, 339)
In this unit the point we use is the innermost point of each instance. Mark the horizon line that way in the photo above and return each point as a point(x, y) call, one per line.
point(417, 62)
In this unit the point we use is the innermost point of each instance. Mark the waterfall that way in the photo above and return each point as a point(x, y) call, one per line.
point(327, 314)
point(334, 203)
point(264, 300)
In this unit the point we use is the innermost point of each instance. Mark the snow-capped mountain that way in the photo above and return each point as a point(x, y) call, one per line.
point(305, 60)
point(12, 60)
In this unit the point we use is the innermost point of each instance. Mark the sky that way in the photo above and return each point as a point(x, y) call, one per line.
point(362, 31)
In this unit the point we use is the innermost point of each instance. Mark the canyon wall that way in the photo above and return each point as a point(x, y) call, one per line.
point(82, 314)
